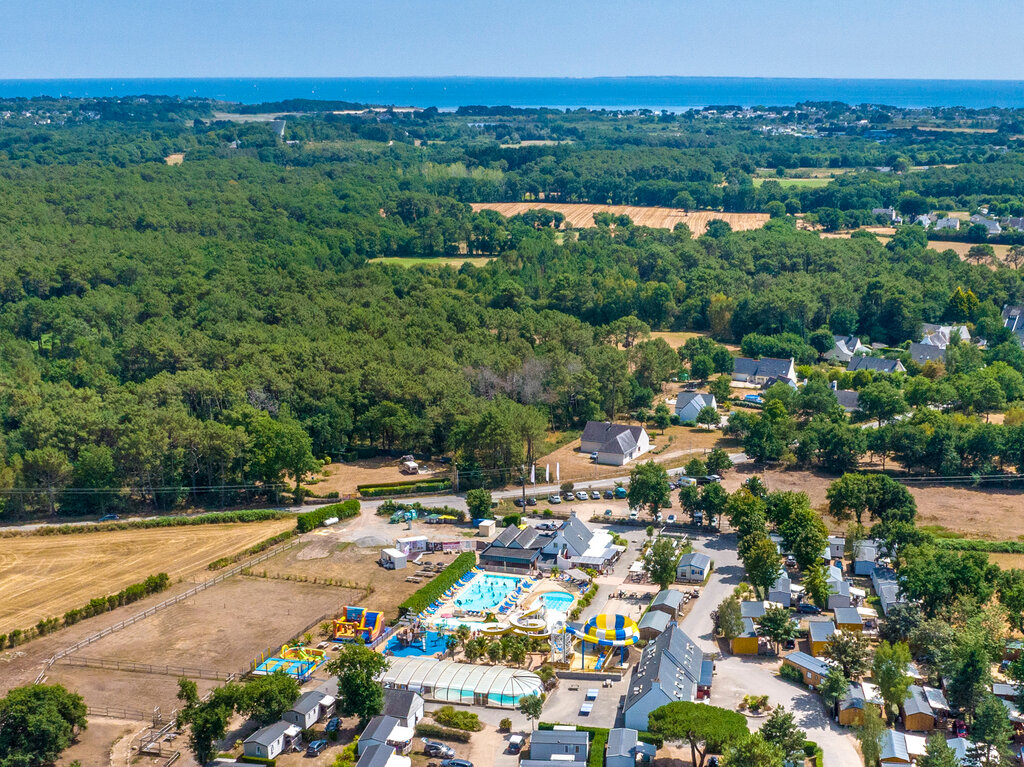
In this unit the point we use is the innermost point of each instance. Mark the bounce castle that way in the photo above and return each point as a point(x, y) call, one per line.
point(358, 624)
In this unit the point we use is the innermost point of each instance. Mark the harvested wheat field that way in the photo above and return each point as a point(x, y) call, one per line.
point(44, 576)
point(177, 158)
point(581, 215)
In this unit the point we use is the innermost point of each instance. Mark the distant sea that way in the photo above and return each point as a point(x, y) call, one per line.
point(670, 93)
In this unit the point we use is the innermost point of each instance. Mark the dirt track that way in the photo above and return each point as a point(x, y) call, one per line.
point(581, 216)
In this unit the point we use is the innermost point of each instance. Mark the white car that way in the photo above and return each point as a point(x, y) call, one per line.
point(634, 515)
point(671, 519)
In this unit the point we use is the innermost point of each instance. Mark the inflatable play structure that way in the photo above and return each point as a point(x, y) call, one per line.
point(358, 624)
point(607, 631)
point(298, 661)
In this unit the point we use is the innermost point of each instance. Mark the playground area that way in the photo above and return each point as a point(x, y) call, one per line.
point(296, 660)
point(357, 624)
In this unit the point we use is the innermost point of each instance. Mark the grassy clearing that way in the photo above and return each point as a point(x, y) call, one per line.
point(456, 262)
point(801, 183)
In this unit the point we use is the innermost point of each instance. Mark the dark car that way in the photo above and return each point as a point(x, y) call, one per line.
point(712, 761)
point(456, 763)
point(109, 518)
point(333, 725)
point(531, 501)
point(518, 501)
point(709, 479)
point(808, 607)
point(316, 747)
point(433, 748)
point(609, 494)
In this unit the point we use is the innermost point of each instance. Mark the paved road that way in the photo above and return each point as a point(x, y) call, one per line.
point(736, 676)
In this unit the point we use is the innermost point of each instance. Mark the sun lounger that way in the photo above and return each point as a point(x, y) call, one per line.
point(592, 693)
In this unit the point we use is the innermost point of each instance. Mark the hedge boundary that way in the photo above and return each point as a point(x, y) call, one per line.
point(419, 600)
point(182, 520)
point(256, 548)
point(974, 544)
point(310, 520)
point(404, 488)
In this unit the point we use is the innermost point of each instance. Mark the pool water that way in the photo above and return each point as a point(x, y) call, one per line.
point(486, 591)
point(557, 600)
point(435, 643)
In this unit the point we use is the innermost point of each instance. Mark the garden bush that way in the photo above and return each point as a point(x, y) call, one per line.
point(970, 544)
point(404, 487)
point(462, 720)
point(791, 674)
point(425, 730)
point(313, 519)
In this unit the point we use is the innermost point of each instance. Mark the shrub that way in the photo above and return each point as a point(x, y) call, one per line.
point(505, 725)
point(791, 674)
point(425, 730)
point(420, 599)
point(969, 544)
point(462, 720)
point(313, 519)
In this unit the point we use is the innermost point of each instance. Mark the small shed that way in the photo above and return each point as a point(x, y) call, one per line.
point(272, 740)
point(393, 559)
point(486, 528)
point(653, 623)
point(309, 709)
point(782, 591)
point(917, 711)
point(747, 642)
point(849, 619)
point(820, 633)
point(668, 602)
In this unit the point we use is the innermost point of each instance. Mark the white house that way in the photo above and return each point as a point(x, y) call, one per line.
point(382, 755)
point(689, 404)
point(693, 567)
point(782, 591)
point(570, 746)
point(404, 705)
point(844, 348)
point(746, 370)
point(309, 709)
point(624, 749)
point(272, 740)
point(386, 730)
point(615, 444)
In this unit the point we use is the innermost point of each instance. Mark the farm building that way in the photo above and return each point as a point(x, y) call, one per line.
point(450, 682)
point(848, 619)
point(615, 444)
point(624, 749)
point(820, 632)
point(693, 567)
point(309, 709)
point(813, 669)
point(270, 741)
point(689, 404)
point(671, 668)
point(668, 601)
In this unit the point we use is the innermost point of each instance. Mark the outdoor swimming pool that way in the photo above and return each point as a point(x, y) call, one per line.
point(557, 600)
point(486, 591)
point(434, 642)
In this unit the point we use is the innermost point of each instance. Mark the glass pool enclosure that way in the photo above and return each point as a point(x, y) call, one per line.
point(451, 682)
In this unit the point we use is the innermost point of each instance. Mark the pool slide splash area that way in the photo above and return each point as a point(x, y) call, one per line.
point(607, 631)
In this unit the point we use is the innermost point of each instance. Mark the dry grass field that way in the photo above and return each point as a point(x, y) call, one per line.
point(175, 159)
point(581, 215)
point(344, 478)
point(44, 576)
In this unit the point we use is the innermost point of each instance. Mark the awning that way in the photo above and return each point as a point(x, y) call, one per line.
point(577, 575)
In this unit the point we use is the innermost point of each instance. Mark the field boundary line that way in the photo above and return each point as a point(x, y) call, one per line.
point(48, 664)
point(114, 664)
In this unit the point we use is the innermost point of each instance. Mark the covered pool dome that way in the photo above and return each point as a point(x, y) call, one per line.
point(450, 682)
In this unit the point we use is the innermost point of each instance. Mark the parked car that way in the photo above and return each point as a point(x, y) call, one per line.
point(607, 512)
point(593, 456)
point(595, 495)
point(709, 479)
point(456, 763)
point(808, 607)
point(547, 526)
point(791, 561)
point(316, 747)
point(568, 496)
point(581, 495)
point(687, 482)
point(554, 498)
point(609, 494)
point(712, 761)
point(519, 501)
point(433, 748)
point(531, 501)
point(620, 492)
point(516, 743)
point(109, 518)
point(333, 724)
point(634, 515)
point(671, 519)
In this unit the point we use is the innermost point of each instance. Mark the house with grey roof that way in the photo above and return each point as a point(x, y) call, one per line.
point(943, 335)
point(271, 741)
point(848, 399)
point(671, 668)
point(922, 353)
point(990, 224)
point(381, 755)
point(565, 746)
point(814, 670)
point(615, 444)
point(886, 585)
point(747, 370)
point(693, 567)
point(309, 709)
point(515, 549)
point(1013, 319)
point(845, 348)
point(667, 601)
point(875, 364)
point(1005, 690)
point(864, 557)
point(918, 715)
point(404, 705)
point(386, 730)
point(689, 404)
point(820, 632)
point(571, 539)
point(781, 591)
point(889, 214)
point(653, 624)
point(624, 749)
point(948, 222)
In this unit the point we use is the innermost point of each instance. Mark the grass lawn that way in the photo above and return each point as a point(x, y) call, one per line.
point(803, 183)
point(455, 261)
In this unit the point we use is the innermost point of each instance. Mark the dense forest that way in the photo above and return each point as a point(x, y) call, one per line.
point(200, 332)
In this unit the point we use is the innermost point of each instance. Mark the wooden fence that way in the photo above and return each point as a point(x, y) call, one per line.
point(112, 664)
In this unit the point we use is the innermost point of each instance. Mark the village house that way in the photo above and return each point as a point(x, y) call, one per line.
point(668, 601)
point(782, 591)
point(653, 624)
point(309, 709)
point(382, 755)
point(849, 619)
point(760, 372)
point(819, 633)
point(689, 404)
point(859, 695)
point(693, 567)
point(1013, 319)
point(565, 746)
point(271, 741)
point(614, 444)
point(386, 730)
point(875, 364)
point(404, 705)
point(624, 749)
point(845, 349)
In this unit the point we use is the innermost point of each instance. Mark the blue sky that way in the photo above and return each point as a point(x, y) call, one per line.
point(312, 38)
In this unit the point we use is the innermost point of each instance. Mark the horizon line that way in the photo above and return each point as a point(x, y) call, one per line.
point(514, 77)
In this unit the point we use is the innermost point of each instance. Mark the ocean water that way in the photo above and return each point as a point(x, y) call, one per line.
point(671, 93)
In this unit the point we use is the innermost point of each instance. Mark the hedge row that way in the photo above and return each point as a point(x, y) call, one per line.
point(213, 518)
point(992, 547)
point(405, 488)
point(421, 599)
point(133, 593)
point(425, 730)
point(313, 519)
point(263, 545)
